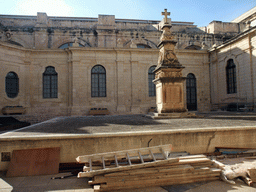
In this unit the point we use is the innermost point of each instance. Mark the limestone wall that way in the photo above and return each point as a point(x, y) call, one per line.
point(13, 59)
point(218, 27)
point(126, 79)
point(195, 141)
point(242, 51)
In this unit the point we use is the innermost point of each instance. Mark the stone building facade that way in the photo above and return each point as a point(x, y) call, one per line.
point(67, 65)
point(233, 65)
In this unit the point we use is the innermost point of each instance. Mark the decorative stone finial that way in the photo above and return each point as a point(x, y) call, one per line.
point(167, 56)
point(166, 27)
point(165, 13)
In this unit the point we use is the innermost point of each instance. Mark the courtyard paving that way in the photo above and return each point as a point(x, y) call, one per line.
point(131, 123)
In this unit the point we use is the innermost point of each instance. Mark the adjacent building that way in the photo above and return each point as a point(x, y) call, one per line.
point(54, 66)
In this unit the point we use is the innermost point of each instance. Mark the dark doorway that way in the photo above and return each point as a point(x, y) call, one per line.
point(191, 92)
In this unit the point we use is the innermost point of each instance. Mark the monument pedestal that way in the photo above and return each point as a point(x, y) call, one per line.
point(169, 90)
point(168, 78)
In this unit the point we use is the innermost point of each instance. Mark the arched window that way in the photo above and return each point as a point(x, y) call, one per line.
point(11, 85)
point(191, 92)
point(193, 47)
point(70, 44)
point(231, 76)
point(98, 81)
point(151, 85)
point(50, 83)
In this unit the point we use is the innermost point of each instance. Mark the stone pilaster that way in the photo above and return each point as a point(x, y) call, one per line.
point(41, 34)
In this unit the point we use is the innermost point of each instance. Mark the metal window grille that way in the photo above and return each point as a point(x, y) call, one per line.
point(231, 77)
point(98, 81)
point(12, 85)
point(151, 85)
point(191, 92)
point(50, 83)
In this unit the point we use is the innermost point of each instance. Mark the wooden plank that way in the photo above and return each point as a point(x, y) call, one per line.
point(203, 172)
point(148, 180)
point(150, 183)
point(123, 168)
point(192, 157)
point(192, 161)
point(122, 154)
point(28, 162)
point(179, 175)
point(105, 187)
point(153, 170)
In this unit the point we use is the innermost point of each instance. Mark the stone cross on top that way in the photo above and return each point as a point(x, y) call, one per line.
point(165, 13)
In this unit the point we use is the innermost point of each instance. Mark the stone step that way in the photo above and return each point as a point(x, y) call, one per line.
point(174, 115)
point(166, 117)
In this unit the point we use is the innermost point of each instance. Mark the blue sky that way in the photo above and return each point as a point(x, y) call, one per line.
point(202, 12)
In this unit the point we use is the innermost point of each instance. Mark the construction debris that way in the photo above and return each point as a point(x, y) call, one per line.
point(146, 167)
point(237, 163)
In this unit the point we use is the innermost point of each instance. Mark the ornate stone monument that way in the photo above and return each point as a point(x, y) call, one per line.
point(168, 76)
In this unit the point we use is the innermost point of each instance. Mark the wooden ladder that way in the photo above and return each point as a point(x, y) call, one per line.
point(101, 163)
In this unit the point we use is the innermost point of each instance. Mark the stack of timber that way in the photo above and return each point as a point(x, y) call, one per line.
point(146, 167)
point(232, 152)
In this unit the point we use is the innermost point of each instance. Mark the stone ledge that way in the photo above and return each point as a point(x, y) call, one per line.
point(4, 138)
point(175, 115)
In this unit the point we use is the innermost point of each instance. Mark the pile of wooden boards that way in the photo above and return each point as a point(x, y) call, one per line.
point(145, 167)
point(232, 152)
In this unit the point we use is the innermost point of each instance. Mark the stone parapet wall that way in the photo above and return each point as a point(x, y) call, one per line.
point(44, 32)
point(193, 141)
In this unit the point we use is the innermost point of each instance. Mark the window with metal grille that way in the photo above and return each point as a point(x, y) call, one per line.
point(231, 77)
point(151, 85)
point(50, 83)
point(12, 85)
point(98, 81)
point(191, 92)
